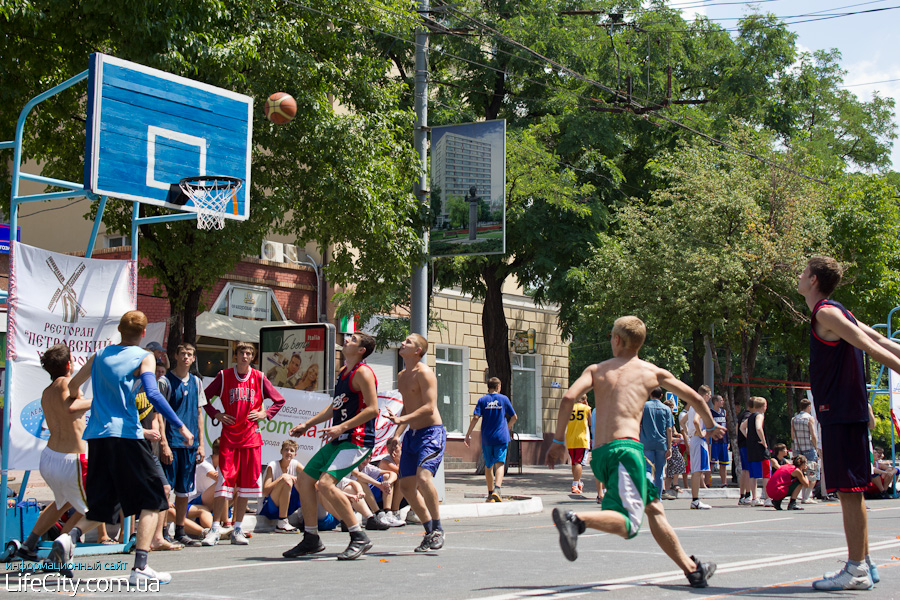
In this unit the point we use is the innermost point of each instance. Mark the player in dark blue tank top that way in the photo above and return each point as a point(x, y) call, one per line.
point(836, 375)
point(352, 412)
point(348, 403)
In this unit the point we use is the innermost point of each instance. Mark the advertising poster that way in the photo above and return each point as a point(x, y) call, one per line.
point(53, 299)
point(299, 357)
point(468, 189)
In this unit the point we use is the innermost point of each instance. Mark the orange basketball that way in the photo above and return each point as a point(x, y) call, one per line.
point(281, 108)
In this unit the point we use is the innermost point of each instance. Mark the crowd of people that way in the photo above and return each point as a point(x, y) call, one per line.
point(633, 430)
point(142, 447)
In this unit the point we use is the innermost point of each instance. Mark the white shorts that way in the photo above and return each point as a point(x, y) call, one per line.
point(699, 455)
point(64, 473)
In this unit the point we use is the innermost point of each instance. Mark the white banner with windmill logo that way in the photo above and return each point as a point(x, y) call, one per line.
point(56, 299)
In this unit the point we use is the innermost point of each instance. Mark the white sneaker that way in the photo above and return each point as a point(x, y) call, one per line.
point(148, 574)
point(211, 538)
point(848, 578)
point(697, 505)
point(62, 550)
point(393, 520)
point(238, 538)
point(809, 500)
point(768, 502)
point(757, 502)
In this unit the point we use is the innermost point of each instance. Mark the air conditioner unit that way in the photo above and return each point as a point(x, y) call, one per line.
point(290, 253)
point(273, 251)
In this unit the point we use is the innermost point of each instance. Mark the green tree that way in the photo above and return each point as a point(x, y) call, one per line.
point(717, 249)
point(338, 178)
point(458, 211)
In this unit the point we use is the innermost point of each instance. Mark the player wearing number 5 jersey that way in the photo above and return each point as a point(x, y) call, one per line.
point(578, 440)
point(352, 435)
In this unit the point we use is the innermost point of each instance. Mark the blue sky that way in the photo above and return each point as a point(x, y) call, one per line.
point(868, 55)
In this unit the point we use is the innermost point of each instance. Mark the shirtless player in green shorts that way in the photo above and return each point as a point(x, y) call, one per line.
point(621, 387)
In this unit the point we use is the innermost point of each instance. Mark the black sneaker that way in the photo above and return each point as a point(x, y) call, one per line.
point(777, 504)
point(26, 553)
point(373, 524)
point(437, 539)
point(359, 545)
point(700, 577)
point(310, 544)
point(569, 526)
point(792, 505)
point(425, 545)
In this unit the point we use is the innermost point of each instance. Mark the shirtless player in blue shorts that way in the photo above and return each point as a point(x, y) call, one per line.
point(423, 447)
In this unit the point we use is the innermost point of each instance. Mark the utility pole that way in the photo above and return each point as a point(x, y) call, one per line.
point(418, 319)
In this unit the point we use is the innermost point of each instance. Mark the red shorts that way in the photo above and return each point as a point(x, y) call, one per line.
point(577, 455)
point(767, 469)
point(239, 470)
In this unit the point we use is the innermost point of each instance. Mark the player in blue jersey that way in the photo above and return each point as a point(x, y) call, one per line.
point(121, 471)
point(184, 391)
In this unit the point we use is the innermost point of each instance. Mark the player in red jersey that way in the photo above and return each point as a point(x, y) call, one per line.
point(242, 390)
point(352, 435)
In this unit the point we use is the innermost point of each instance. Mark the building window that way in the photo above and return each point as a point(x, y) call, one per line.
point(451, 368)
point(526, 393)
point(116, 240)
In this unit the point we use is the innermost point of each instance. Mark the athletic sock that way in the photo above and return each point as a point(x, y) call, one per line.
point(76, 535)
point(429, 526)
point(216, 526)
point(436, 524)
point(355, 528)
point(140, 559)
point(179, 531)
point(237, 525)
point(311, 531)
point(31, 541)
point(696, 499)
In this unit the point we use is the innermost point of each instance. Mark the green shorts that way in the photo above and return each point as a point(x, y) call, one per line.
point(336, 459)
point(621, 466)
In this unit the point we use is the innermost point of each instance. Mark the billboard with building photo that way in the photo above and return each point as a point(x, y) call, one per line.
point(468, 189)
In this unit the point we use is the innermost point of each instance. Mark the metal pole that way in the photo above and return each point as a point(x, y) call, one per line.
point(418, 320)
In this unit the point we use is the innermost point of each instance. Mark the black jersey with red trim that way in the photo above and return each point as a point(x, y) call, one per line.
point(348, 403)
point(836, 375)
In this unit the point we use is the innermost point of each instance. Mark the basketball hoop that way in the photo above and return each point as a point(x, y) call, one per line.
point(210, 195)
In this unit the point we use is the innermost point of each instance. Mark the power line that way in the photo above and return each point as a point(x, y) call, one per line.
point(635, 104)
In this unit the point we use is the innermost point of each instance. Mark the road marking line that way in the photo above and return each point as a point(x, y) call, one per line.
point(569, 591)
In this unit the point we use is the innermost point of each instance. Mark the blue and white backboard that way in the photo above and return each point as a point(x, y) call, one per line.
point(147, 130)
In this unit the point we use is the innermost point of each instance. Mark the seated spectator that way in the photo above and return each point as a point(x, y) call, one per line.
point(788, 481)
point(393, 500)
point(373, 480)
point(882, 472)
point(280, 488)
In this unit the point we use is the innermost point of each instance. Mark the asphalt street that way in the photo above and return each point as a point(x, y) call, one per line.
point(760, 553)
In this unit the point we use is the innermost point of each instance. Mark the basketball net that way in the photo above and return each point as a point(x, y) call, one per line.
point(210, 197)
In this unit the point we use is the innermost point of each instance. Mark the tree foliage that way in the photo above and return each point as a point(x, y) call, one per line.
point(340, 174)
